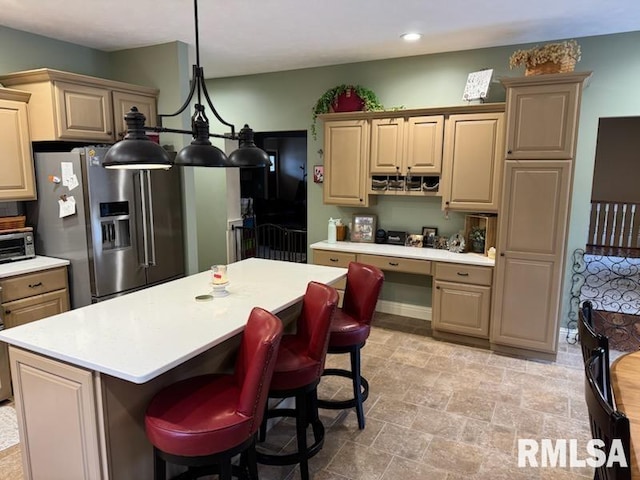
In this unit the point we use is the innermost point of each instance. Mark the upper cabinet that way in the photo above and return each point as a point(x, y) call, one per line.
point(419, 152)
point(473, 157)
point(68, 106)
point(407, 145)
point(17, 181)
point(542, 121)
point(346, 152)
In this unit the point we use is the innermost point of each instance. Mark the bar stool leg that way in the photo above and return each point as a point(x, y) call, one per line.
point(225, 469)
point(252, 461)
point(357, 385)
point(302, 420)
point(159, 466)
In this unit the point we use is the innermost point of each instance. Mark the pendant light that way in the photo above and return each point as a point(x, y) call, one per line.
point(137, 151)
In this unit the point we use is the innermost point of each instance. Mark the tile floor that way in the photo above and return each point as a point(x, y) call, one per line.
point(436, 411)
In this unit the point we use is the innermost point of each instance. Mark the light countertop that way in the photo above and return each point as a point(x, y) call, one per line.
point(432, 254)
point(139, 336)
point(36, 264)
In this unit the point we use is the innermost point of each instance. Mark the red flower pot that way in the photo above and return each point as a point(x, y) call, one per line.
point(348, 101)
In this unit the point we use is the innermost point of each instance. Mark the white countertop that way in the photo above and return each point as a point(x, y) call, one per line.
point(139, 336)
point(432, 254)
point(19, 267)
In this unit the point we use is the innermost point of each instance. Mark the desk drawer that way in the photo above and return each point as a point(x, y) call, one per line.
point(333, 259)
point(22, 286)
point(456, 272)
point(395, 264)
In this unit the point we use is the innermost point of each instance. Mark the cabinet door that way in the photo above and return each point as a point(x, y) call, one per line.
point(543, 121)
point(531, 247)
point(83, 112)
point(423, 145)
point(473, 161)
point(5, 373)
point(387, 146)
point(461, 308)
point(345, 162)
point(122, 103)
point(35, 308)
point(17, 181)
point(57, 418)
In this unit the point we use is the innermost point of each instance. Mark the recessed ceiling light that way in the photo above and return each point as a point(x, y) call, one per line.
point(411, 37)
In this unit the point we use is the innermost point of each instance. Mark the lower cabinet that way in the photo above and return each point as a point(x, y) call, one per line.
point(462, 299)
point(62, 429)
point(35, 308)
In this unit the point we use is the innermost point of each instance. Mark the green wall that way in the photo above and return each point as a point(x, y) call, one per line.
point(283, 101)
point(26, 51)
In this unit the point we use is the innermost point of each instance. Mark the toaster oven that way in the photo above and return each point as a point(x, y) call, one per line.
point(17, 245)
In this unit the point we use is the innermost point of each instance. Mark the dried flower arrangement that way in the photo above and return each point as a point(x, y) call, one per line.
point(551, 58)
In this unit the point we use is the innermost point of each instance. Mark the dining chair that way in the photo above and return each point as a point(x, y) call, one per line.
point(349, 332)
point(605, 421)
point(589, 342)
point(204, 421)
point(297, 372)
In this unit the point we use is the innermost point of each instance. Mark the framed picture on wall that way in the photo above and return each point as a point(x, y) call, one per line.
point(318, 173)
point(364, 228)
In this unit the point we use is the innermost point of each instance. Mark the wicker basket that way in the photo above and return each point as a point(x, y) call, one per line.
point(11, 223)
point(567, 64)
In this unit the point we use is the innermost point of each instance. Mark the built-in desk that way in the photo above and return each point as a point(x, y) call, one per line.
point(83, 379)
point(461, 300)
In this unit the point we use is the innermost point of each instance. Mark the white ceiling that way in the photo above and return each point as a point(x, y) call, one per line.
point(240, 37)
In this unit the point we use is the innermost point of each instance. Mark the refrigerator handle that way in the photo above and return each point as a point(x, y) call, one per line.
point(145, 234)
point(152, 236)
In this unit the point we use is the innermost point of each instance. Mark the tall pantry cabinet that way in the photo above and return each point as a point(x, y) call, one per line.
point(542, 126)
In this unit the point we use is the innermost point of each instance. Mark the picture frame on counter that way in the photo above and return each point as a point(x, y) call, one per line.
point(429, 235)
point(414, 240)
point(363, 228)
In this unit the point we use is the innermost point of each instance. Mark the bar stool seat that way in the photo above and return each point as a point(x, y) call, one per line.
point(204, 421)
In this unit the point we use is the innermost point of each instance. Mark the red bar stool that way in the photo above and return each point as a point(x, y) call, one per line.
point(297, 373)
point(349, 332)
point(204, 421)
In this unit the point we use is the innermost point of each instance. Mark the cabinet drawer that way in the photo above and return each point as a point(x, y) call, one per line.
point(333, 259)
point(395, 264)
point(14, 288)
point(455, 272)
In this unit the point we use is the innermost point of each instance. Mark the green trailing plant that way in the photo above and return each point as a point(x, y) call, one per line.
point(328, 98)
point(477, 234)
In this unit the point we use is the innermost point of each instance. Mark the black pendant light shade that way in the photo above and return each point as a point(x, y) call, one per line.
point(201, 153)
point(136, 150)
point(248, 155)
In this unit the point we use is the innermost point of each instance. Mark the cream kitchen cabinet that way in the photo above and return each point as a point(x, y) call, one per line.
point(473, 157)
point(346, 153)
point(17, 181)
point(407, 145)
point(461, 300)
point(534, 212)
point(69, 106)
point(335, 259)
point(33, 296)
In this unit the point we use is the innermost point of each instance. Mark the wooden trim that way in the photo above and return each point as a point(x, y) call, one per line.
point(414, 112)
point(553, 78)
point(15, 95)
point(50, 75)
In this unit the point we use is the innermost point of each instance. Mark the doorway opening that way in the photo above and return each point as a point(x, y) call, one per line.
point(274, 200)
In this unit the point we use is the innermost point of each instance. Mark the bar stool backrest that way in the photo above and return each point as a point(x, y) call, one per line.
point(314, 322)
point(364, 283)
point(590, 341)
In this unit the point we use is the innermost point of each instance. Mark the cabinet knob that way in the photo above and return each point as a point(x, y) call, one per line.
point(394, 264)
point(7, 312)
point(438, 287)
point(509, 152)
point(333, 259)
point(360, 199)
point(502, 254)
point(463, 274)
point(35, 285)
point(109, 132)
point(446, 203)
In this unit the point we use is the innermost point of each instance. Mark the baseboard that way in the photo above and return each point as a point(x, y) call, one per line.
point(404, 309)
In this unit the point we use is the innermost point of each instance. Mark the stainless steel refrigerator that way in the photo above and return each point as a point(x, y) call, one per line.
point(126, 232)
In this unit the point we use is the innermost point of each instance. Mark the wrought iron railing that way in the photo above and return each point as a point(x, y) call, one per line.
point(271, 241)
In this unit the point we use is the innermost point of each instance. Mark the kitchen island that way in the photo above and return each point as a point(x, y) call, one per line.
point(82, 379)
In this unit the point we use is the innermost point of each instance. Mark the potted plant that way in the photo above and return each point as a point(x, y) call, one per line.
point(477, 236)
point(344, 98)
point(557, 57)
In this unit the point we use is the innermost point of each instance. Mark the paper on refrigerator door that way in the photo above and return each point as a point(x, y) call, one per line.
point(73, 182)
point(67, 172)
point(67, 207)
